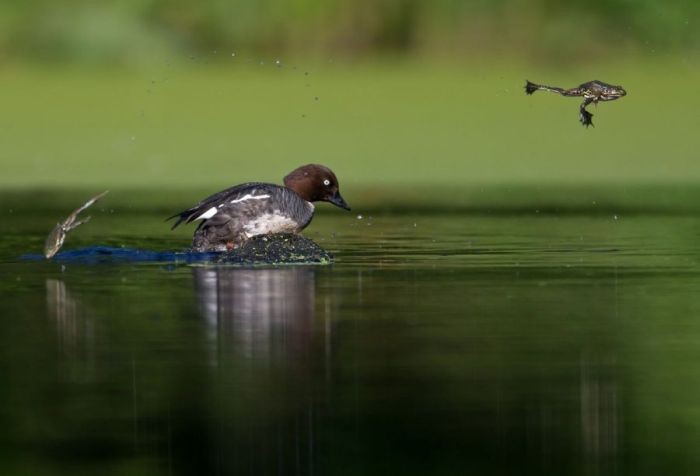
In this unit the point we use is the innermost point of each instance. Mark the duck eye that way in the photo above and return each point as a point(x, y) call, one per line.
point(326, 182)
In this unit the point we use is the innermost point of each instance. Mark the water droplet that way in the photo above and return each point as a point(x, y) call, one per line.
point(233, 54)
point(615, 217)
point(359, 217)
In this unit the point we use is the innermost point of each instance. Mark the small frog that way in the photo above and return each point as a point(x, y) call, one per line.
point(58, 235)
point(592, 92)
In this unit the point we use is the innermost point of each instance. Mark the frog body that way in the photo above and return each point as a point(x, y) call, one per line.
point(592, 92)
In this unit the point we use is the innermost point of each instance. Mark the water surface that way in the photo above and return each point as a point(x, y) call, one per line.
point(504, 341)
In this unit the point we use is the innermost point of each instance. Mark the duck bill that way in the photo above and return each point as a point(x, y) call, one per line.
point(338, 201)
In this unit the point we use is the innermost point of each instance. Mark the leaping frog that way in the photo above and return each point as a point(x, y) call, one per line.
point(58, 235)
point(592, 92)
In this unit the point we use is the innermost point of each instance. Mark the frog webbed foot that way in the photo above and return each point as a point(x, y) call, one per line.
point(586, 118)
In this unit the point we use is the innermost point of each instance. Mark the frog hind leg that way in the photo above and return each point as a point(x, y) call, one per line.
point(531, 87)
point(573, 92)
point(586, 117)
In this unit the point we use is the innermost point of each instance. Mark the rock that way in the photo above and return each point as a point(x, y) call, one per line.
point(282, 248)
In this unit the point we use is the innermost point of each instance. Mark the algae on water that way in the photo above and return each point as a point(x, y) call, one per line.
point(281, 248)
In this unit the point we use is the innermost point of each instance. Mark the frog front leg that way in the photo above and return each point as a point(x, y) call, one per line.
point(586, 117)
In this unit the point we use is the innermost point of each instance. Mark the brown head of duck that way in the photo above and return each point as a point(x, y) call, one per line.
point(316, 183)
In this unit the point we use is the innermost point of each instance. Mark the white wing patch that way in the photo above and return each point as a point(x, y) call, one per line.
point(250, 197)
point(208, 214)
point(213, 210)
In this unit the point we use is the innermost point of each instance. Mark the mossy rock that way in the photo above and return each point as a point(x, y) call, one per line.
point(282, 248)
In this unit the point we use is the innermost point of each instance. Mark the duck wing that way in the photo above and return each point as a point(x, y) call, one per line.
point(209, 207)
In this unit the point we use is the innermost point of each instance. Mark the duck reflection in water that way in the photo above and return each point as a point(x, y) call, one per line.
point(259, 314)
point(262, 329)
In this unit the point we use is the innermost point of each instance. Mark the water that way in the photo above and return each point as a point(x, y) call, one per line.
point(451, 342)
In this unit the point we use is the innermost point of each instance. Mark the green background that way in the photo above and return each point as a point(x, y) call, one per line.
point(208, 94)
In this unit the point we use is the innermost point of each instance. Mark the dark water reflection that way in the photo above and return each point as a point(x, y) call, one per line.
point(274, 395)
point(547, 346)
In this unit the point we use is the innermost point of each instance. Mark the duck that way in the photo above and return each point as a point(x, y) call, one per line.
point(233, 216)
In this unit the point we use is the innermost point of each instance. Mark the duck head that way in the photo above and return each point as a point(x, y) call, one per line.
point(315, 183)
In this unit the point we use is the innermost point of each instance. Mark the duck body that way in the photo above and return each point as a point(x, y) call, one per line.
point(233, 216)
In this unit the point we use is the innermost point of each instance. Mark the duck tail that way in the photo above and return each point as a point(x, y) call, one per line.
point(181, 217)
